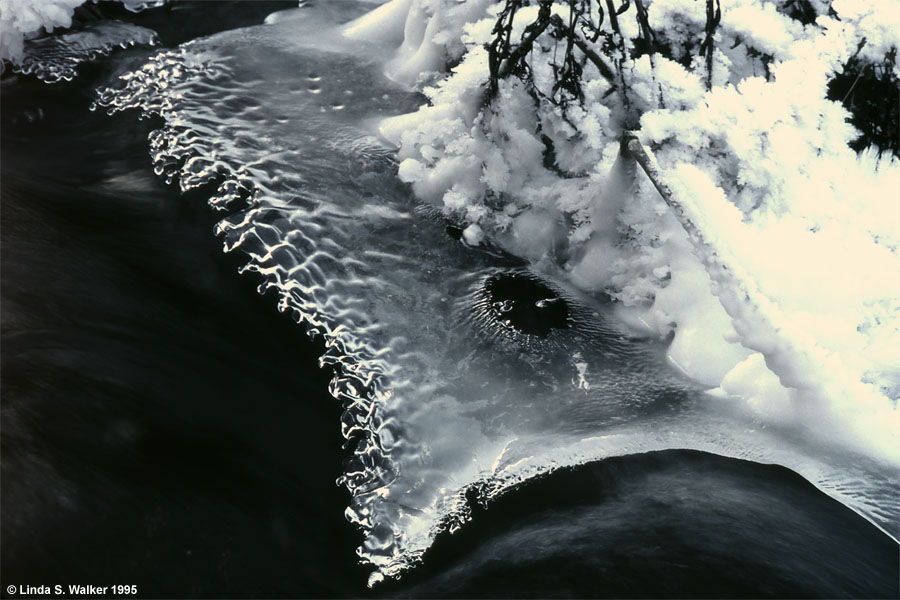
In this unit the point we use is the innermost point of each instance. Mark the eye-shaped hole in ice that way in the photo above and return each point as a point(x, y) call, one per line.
point(525, 303)
point(516, 309)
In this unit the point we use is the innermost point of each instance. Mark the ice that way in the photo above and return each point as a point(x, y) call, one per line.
point(425, 30)
point(757, 151)
point(22, 20)
point(19, 18)
point(55, 58)
point(460, 369)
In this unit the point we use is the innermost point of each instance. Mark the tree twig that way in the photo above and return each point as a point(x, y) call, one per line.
point(605, 70)
point(713, 17)
point(536, 29)
point(631, 146)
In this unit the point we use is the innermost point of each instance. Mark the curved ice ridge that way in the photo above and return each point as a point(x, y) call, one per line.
point(180, 153)
point(55, 58)
point(434, 408)
point(137, 6)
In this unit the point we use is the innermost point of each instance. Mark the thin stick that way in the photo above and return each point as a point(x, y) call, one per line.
point(592, 56)
point(525, 46)
point(633, 148)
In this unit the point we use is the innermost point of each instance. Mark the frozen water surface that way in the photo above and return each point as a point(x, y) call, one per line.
point(462, 371)
point(56, 58)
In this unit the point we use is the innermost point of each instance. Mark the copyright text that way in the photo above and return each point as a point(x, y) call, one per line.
point(72, 590)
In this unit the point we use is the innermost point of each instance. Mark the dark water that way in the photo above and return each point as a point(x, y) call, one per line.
point(162, 425)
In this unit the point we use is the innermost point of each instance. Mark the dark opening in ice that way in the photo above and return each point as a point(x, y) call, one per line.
point(527, 304)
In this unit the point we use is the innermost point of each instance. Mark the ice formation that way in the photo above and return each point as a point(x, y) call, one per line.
point(449, 391)
point(55, 58)
point(806, 326)
point(22, 20)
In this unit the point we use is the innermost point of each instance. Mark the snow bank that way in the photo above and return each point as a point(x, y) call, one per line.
point(790, 300)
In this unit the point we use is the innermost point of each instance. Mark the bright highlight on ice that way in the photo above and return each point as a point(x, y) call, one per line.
point(561, 329)
point(22, 20)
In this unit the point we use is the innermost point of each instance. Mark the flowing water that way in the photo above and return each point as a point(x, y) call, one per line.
point(149, 391)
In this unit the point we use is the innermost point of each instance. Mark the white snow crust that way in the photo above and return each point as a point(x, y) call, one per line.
point(791, 300)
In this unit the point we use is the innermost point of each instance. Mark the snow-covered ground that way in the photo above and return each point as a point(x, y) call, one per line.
point(790, 297)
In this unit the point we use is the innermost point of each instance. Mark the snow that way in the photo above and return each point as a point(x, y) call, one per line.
point(877, 22)
point(789, 301)
point(25, 18)
point(22, 20)
point(770, 280)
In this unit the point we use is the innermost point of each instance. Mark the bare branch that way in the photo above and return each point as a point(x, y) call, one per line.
point(632, 146)
point(605, 70)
